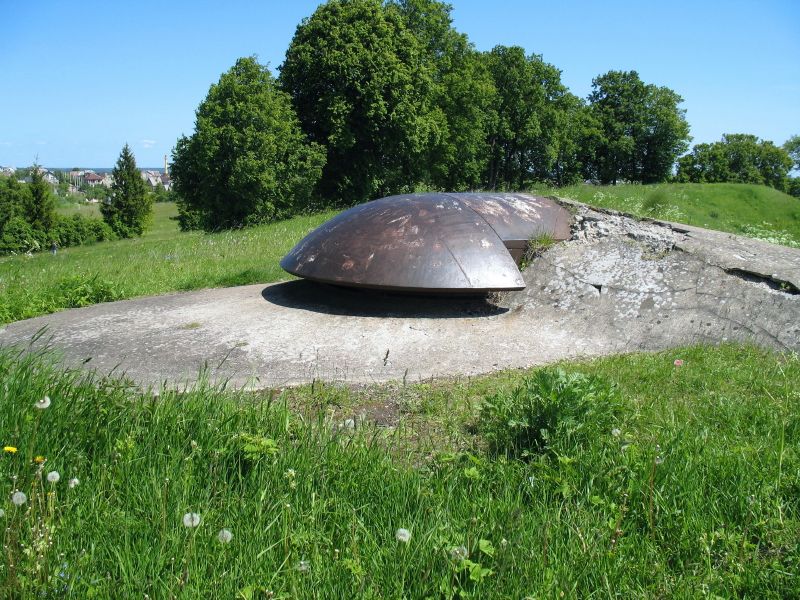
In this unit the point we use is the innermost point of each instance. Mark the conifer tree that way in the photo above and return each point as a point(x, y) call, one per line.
point(128, 209)
point(41, 206)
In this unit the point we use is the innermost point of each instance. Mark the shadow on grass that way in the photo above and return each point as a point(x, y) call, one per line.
point(333, 300)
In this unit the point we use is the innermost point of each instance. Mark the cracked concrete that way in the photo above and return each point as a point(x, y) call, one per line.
point(618, 285)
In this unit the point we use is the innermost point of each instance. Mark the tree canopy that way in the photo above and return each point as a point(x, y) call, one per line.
point(792, 148)
point(247, 161)
point(643, 130)
point(378, 97)
point(738, 158)
point(361, 88)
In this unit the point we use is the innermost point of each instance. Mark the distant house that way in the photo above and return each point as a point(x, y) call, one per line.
point(47, 176)
point(92, 179)
point(7, 171)
point(152, 178)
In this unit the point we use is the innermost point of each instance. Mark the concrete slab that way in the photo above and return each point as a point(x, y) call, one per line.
point(618, 285)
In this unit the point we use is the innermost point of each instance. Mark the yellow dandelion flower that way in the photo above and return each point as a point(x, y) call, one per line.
point(39, 459)
point(10, 449)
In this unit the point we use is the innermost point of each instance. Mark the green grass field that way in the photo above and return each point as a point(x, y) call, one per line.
point(745, 209)
point(163, 260)
point(166, 260)
point(638, 478)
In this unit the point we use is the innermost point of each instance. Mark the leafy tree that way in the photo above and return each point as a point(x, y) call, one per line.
point(247, 161)
point(462, 96)
point(362, 87)
point(40, 210)
point(792, 148)
point(128, 209)
point(793, 186)
point(738, 158)
point(643, 129)
point(577, 134)
point(14, 199)
point(537, 124)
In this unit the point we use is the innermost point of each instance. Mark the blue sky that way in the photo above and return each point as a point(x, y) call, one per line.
point(78, 80)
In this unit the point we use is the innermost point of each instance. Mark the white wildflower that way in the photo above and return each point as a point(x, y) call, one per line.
point(225, 536)
point(616, 432)
point(191, 519)
point(53, 477)
point(18, 498)
point(402, 535)
point(43, 403)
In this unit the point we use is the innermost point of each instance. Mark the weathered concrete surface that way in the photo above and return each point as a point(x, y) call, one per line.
point(618, 285)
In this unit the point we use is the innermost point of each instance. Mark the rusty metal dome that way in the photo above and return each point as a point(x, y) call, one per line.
point(432, 243)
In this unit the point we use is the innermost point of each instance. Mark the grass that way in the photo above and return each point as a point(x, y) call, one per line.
point(745, 209)
point(686, 484)
point(163, 260)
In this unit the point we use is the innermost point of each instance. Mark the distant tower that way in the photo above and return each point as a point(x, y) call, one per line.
point(166, 166)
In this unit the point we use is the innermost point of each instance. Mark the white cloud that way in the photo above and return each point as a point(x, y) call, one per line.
point(147, 143)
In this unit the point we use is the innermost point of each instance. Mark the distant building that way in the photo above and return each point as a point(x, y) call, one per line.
point(152, 178)
point(92, 179)
point(47, 176)
point(7, 171)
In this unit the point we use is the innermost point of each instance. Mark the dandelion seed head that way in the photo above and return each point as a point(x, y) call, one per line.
point(2, 513)
point(43, 403)
point(459, 553)
point(53, 477)
point(18, 498)
point(616, 432)
point(74, 482)
point(225, 536)
point(402, 535)
point(659, 460)
point(303, 566)
point(191, 519)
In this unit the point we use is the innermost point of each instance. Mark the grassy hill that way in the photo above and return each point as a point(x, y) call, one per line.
point(166, 260)
point(163, 260)
point(745, 209)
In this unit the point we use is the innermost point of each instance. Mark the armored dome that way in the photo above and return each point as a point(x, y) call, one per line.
point(432, 243)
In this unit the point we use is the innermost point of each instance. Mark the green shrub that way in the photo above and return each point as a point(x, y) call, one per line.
point(83, 290)
point(77, 230)
point(551, 411)
point(19, 236)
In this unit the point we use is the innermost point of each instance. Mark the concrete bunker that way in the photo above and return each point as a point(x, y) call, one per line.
point(443, 243)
